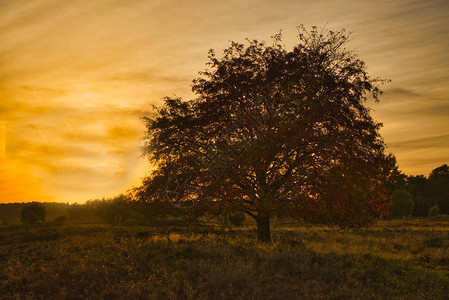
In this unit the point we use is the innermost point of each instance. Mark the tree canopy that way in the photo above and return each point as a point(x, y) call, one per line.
point(274, 132)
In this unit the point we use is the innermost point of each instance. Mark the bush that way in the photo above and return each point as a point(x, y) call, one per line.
point(402, 203)
point(237, 219)
point(434, 211)
point(33, 213)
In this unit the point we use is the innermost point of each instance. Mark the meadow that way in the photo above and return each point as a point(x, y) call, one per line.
point(394, 259)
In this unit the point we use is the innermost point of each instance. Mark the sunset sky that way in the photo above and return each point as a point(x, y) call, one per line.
point(76, 76)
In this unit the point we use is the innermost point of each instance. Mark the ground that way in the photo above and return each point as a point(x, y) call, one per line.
point(404, 259)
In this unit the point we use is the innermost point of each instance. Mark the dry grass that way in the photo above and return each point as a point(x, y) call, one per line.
point(394, 259)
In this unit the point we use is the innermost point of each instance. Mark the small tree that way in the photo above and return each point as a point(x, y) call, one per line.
point(274, 132)
point(402, 203)
point(33, 213)
point(434, 211)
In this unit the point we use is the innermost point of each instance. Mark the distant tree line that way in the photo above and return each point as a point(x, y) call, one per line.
point(418, 195)
point(11, 213)
point(123, 209)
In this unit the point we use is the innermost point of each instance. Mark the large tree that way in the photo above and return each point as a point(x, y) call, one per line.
point(274, 132)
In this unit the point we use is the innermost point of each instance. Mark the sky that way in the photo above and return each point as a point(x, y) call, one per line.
point(77, 76)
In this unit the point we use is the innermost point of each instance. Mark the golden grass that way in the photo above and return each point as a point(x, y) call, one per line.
point(394, 259)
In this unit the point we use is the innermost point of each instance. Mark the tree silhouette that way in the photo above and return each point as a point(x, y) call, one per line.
point(33, 213)
point(274, 132)
point(439, 187)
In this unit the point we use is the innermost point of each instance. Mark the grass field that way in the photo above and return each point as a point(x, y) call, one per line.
point(403, 259)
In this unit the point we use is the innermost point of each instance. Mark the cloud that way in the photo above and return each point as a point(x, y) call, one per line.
point(425, 142)
point(77, 76)
point(149, 76)
point(121, 133)
point(403, 92)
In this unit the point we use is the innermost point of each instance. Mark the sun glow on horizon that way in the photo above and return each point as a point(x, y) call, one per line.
point(2, 139)
point(18, 184)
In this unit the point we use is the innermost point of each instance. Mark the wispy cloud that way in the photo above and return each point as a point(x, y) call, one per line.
point(426, 142)
point(77, 76)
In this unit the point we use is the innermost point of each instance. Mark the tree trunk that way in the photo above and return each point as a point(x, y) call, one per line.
point(263, 229)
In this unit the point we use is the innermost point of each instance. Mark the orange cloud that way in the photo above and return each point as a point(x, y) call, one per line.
point(17, 184)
